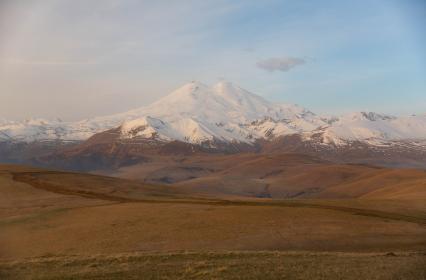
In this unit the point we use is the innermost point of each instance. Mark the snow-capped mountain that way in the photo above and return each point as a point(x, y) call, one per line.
point(374, 129)
point(44, 130)
point(196, 113)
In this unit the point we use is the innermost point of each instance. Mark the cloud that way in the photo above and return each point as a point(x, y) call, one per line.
point(282, 64)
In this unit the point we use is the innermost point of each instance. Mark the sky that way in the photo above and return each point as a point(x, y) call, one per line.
point(75, 59)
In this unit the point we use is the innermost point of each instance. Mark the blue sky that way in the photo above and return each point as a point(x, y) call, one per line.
point(75, 59)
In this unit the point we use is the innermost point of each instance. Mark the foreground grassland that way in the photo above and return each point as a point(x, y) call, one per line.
point(56, 225)
point(230, 265)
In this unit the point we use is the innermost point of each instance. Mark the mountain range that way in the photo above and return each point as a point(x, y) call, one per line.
point(220, 118)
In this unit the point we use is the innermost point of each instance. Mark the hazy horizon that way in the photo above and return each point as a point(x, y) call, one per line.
point(77, 59)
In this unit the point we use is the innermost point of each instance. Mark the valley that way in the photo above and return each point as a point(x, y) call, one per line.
point(278, 176)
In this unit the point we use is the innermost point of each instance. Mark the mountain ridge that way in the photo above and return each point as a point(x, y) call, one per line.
point(197, 113)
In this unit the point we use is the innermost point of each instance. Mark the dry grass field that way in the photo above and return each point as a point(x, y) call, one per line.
point(279, 176)
point(224, 265)
point(59, 225)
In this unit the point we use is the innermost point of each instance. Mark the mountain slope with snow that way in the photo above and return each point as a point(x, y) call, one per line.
point(374, 129)
point(196, 113)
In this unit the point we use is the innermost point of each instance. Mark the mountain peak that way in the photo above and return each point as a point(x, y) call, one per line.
point(194, 85)
point(190, 87)
point(225, 88)
point(184, 93)
point(225, 84)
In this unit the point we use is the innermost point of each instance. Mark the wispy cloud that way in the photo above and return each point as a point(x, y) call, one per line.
point(282, 64)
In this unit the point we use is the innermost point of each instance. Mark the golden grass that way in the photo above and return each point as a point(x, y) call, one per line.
point(59, 225)
point(222, 265)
